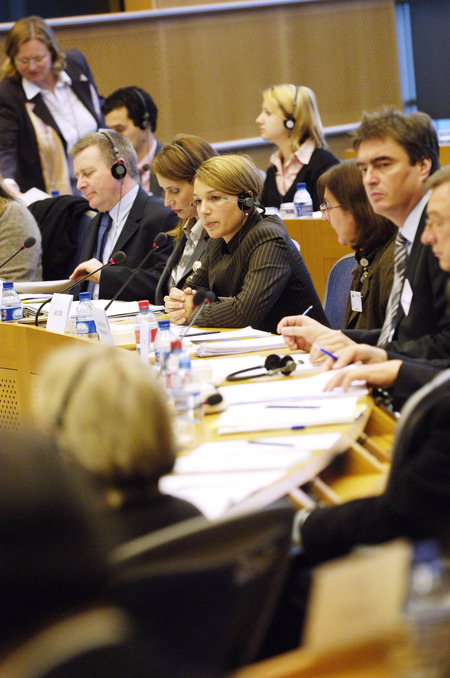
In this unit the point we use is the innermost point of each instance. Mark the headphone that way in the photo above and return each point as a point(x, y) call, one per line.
point(272, 364)
point(184, 151)
point(289, 123)
point(245, 201)
point(145, 122)
point(118, 168)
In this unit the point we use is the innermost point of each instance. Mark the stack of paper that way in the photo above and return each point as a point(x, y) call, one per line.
point(240, 341)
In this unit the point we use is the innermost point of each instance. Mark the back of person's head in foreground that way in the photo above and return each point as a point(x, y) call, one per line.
point(231, 174)
point(414, 132)
point(299, 104)
point(52, 558)
point(109, 413)
point(345, 183)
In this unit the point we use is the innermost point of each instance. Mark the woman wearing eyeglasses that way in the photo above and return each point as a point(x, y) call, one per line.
point(346, 206)
point(252, 266)
point(290, 119)
point(48, 100)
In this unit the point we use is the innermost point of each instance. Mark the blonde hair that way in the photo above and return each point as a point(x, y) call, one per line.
point(232, 174)
point(31, 28)
point(109, 413)
point(300, 104)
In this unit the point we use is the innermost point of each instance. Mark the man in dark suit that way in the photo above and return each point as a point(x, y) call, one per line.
point(132, 111)
point(106, 168)
point(396, 154)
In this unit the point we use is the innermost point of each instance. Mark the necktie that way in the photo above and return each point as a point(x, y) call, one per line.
point(102, 236)
point(400, 259)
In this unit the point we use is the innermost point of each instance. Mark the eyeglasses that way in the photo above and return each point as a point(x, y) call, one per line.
point(435, 221)
point(324, 208)
point(34, 60)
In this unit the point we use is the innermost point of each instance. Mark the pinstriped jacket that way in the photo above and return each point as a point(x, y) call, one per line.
point(258, 278)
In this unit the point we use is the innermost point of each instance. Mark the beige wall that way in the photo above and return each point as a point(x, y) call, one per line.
point(206, 70)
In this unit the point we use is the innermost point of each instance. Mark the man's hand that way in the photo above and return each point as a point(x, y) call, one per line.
point(300, 332)
point(87, 267)
point(382, 375)
point(179, 304)
point(356, 353)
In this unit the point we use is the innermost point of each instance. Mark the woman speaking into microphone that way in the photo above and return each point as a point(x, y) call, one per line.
point(253, 268)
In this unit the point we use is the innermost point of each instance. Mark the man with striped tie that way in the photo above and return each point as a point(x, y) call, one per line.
point(396, 153)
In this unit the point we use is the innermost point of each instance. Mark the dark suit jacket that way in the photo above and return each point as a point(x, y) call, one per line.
point(320, 161)
point(262, 276)
point(19, 154)
point(416, 501)
point(155, 188)
point(198, 254)
point(425, 331)
point(146, 219)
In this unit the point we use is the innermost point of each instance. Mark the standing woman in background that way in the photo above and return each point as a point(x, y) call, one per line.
point(290, 119)
point(346, 206)
point(175, 167)
point(48, 100)
point(16, 225)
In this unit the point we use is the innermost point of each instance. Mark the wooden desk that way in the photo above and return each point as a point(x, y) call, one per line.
point(319, 248)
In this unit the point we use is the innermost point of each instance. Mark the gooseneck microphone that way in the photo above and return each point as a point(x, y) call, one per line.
point(29, 242)
point(158, 242)
point(116, 258)
point(201, 299)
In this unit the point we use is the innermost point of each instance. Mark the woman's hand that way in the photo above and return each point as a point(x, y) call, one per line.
point(179, 305)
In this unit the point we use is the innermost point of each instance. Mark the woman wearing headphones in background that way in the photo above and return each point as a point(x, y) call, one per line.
point(175, 167)
point(290, 119)
point(252, 266)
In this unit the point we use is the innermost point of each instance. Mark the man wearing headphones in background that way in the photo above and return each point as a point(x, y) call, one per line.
point(105, 165)
point(132, 111)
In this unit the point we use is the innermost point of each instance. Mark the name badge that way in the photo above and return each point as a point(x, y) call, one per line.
point(356, 301)
point(407, 295)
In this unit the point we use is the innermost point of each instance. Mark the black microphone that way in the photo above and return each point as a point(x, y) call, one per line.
point(201, 299)
point(159, 240)
point(29, 242)
point(116, 258)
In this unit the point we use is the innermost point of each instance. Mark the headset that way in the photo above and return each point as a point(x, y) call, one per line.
point(245, 201)
point(184, 151)
point(272, 364)
point(118, 168)
point(289, 122)
point(145, 122)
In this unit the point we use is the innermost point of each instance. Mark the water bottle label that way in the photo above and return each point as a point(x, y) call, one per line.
point(86, 327)
point(12, 313)
point(303, 209)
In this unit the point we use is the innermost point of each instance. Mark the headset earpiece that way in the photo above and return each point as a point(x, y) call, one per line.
point(118, 168)
point(145, 122)
point(245, 201)
point(289, 122)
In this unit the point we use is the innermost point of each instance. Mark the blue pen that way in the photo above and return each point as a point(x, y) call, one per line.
point(328, 353)
point(307, 310)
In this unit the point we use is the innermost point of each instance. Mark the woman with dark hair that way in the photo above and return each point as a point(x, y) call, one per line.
point(290, 119)
point(346, 206)
point(48, 100)
point(175, 167)
point(252, 266)
point(16, 225)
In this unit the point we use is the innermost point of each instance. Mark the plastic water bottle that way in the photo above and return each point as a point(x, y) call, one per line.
point(145, 316)
point(85, 318)
point(172, 367)
point(11, 304)
point(185, 396)
point(302, 202)
point(427, 613)
point(163, 344)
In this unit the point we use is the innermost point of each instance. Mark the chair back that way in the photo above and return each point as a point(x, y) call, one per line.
point(337, 290)
point(207, 588)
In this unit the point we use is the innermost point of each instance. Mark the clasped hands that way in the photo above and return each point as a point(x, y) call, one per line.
point(179, 304)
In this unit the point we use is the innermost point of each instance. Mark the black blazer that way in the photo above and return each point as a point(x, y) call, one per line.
point(146, 219)
point(198, 254)
point(425, 331)
point(19, 154)
point(416, 501)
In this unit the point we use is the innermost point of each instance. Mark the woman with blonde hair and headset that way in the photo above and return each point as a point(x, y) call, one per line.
point(290, 119)
point(252, 266)
point(110, 417)
point(175, 167)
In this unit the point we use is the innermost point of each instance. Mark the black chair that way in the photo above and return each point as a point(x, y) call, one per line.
point(207, 589)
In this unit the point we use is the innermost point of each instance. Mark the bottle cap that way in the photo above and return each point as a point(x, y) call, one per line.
point(176, 345)
point(143, 304)
point(84, 296)
point(300, 186)
point(8, 285)
point(164, 324)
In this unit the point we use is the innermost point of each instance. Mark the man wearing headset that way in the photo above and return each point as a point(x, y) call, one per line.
point(132, 111)
point(105, 166)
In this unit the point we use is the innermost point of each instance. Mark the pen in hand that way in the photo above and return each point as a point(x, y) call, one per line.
point(328, 353)
point(307, 310)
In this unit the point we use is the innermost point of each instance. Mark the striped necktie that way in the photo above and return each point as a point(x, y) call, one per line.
point(400, 259)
